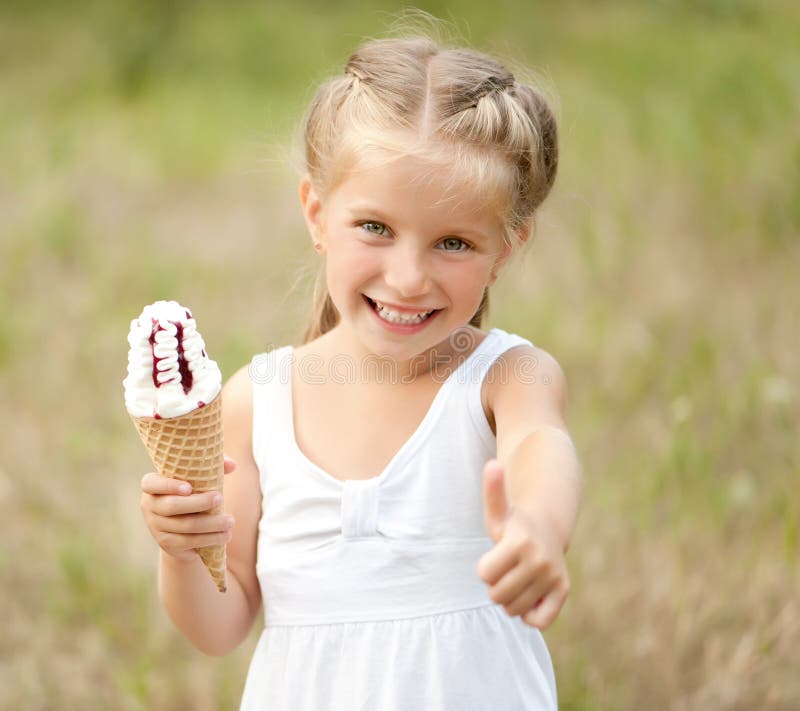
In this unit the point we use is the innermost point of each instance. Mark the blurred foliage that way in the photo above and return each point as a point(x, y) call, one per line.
point(146, 152)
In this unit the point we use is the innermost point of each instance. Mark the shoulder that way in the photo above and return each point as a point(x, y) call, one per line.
point(525, 389)
point(237, 400)
point(240, 385)
point(528, 368)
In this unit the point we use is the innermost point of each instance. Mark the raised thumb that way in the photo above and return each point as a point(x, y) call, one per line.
point(495, 504)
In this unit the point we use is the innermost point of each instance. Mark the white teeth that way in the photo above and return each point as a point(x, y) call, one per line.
point(395, 317)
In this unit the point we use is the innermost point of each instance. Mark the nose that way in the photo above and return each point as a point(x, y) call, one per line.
point(406, 271)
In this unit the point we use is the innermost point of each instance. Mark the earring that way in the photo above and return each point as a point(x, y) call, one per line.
point(318, 246)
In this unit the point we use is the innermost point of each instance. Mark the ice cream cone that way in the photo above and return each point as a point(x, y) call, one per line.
point(189, 447)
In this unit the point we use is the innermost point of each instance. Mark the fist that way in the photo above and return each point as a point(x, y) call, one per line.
point(180, 520)
point(525, 569)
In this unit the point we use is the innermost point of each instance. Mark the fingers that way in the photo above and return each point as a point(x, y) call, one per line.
point(153, 483)
point(538, 601)
point(194, 524)
point(524, 599)
point(495, 504)
point(176, 534)
point(515, 583)
point(173, 497)
point(523, 587)
point(186, 504)
point(545, 613)
point(179, 520)
point(496, 563)
point(524, 583)
point(178, 544)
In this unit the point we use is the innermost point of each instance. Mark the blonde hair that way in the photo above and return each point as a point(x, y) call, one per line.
point(453, 107)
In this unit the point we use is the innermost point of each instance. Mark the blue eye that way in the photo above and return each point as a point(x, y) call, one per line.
point(377, 224)
point(382, 231)
point(457, 241)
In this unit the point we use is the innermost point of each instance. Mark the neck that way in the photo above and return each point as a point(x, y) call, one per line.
point(345, 359)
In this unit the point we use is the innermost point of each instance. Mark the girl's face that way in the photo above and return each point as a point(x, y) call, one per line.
point(391, 235)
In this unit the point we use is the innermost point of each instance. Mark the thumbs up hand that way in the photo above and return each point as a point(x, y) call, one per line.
point(525, 569)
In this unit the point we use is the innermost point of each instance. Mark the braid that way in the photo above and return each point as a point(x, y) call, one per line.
point(544, 163)
point(488, 85)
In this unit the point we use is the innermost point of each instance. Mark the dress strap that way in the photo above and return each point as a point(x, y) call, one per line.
point(501, 341)
point(270, 372)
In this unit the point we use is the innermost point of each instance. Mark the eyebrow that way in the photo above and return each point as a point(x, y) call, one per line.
point(376, 212)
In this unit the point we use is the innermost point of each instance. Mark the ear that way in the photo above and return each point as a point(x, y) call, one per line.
point(523, 233)
point(312, 208)
point(498, 264)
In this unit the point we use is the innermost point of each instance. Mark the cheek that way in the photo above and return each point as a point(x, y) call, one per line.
point(351, 267)
point(472, 282)
point(466, 278)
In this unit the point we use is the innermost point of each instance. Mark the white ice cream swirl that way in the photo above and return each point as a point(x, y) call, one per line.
point(169, 373)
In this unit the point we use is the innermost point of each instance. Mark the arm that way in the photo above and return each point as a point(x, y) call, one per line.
point(543, 473)
point(214, 622)
point(531, 490)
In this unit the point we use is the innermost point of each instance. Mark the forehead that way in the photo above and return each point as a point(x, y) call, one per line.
point(411, 183)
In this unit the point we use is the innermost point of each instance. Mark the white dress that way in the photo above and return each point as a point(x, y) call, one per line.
point(370, 590)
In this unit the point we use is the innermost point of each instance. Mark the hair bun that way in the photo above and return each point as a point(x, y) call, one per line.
point(352, 71)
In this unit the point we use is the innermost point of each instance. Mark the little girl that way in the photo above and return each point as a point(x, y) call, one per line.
point(405, 487)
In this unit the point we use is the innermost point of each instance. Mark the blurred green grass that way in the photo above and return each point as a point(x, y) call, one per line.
point(146, 155)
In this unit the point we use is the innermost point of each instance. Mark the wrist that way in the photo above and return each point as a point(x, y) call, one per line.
point(187, 559)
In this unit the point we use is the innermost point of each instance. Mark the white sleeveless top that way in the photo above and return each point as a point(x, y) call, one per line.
point(371, 595)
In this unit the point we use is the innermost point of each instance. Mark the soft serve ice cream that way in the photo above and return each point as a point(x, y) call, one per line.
point(169, 373)
point(173, 395)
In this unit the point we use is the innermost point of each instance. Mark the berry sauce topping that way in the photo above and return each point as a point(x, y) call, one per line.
point(183, 366)
point(156, 328)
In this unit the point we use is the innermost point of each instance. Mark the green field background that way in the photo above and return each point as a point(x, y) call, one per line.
point(146, 152)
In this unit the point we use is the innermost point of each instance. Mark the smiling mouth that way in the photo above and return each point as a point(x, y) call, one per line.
point(402, 319)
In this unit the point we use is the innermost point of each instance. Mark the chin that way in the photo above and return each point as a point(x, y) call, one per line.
point(400, 352)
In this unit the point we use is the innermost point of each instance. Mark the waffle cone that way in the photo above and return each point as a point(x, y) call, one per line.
point(189, 447)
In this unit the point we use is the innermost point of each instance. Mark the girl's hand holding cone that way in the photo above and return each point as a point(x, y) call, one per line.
point(526, 569)
point(177, 518)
